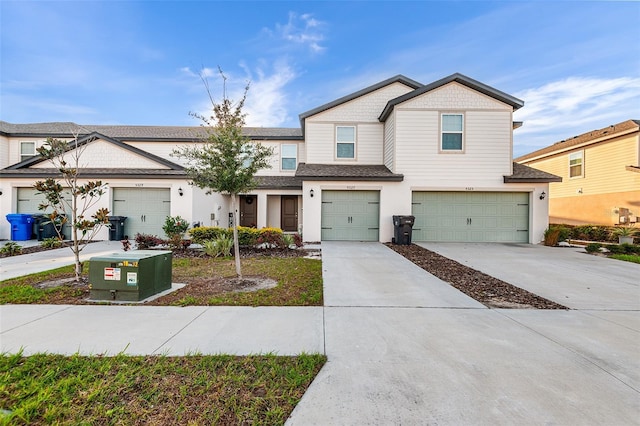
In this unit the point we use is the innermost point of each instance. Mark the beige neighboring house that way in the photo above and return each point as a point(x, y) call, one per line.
point(600, 173)
point(440, 151)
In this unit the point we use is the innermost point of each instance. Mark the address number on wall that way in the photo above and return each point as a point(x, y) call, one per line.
point(469, 188)
point(138, 184)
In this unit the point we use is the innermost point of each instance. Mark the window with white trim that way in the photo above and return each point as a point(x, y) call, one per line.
point(27, 150)
point(452, 127)
point(289, 157)
point(576, 164)
point(247, 155)
point(345, 142)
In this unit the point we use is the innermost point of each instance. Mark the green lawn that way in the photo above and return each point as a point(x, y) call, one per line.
point(635, 258)
point(299, 283)
point(52, 389)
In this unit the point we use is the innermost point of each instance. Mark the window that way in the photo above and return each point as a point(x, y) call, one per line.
point(27, 150)
point(452, 127)
point(289, 157)
point(576, 163)
point(346, 142)
point(247, 155)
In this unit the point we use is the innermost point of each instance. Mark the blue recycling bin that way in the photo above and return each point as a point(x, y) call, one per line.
point(21, 225)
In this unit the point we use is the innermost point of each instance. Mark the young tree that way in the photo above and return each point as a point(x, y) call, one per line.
point(71, 201)
point(226, 161)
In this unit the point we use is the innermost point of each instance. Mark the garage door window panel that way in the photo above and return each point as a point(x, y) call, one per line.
point(452, 132)
point(346, 142)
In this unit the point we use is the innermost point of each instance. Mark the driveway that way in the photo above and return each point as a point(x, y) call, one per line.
point(442, 359)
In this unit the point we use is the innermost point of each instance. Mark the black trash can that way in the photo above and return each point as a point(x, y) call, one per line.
point(116, 229)
point(402, 228)
point(43, 227)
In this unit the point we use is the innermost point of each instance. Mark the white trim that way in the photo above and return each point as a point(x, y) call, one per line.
point(355, 138)
point(580, 155)
point(282, 157)
point(461, 132)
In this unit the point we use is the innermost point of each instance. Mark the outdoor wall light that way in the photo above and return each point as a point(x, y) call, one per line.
point(544, 194)
point(180, 192)
point(311, 193)
point(0, 191)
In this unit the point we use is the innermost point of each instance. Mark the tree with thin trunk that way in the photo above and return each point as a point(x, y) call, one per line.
point(225, 161)
point(69, 203)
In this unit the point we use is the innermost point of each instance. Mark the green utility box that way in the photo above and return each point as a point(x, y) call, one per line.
point(130, 276)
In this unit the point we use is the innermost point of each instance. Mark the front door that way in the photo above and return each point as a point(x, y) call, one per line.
point(249, 210)
point(289, 216)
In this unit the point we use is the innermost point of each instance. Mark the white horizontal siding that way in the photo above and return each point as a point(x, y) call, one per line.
point(485, 160)
point(4, 152)
point(369, 145)
point(319, 141)
point(320, 144)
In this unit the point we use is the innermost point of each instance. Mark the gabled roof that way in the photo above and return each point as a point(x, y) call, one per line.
point(397, 79)
point(138, 133)
point(355, 172)
point(92, 137)
point(458, 78)
point(97, 173)
point(526, 174)
point(593, 136)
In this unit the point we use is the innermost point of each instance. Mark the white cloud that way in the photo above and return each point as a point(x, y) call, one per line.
point(303, 30)
point(266, 104)
point(568, 107)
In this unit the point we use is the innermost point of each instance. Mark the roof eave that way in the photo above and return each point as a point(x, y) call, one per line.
point(394, 178)
point(512, 179)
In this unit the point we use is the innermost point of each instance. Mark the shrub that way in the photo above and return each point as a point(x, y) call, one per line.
point(50, 243)
point(175, 226)
point(247, 236)
point(551, 236)
point(209, 233)
point(145, 241)
point(272, 237)
point(297, 240)
point(287, 240)
point(564, 233)
point(11, 248)
point(219, 247)
point(593, 248)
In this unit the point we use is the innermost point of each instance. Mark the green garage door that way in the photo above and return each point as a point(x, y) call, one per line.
point(29, 200)
point(350, 215)
point(145, 208)
point(471, 216)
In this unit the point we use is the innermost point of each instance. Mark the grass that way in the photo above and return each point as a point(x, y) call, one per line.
point(635, 258)
point(299, 283)
point(220, 389)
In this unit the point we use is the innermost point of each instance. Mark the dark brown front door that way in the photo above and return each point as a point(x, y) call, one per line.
point(289, 216)
point(249, 210)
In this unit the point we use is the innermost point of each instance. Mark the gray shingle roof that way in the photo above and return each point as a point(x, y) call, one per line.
point(524, 174)
point(346, 172)
point(170, 133)
point(279, 182)
point(94, 173)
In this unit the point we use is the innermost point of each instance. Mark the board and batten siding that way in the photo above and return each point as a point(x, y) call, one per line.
point(101, 154)
point(604, 169)
point(389, 140)
point(487, 148)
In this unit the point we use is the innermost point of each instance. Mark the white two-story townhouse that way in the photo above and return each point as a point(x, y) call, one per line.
point(441, 152)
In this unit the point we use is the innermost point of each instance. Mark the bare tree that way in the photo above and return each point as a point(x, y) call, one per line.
point(70, 202)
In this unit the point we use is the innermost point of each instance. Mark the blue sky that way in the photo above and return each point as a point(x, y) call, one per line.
point(575, 64)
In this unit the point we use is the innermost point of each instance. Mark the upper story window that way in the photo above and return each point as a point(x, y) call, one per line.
point(289, 157)
point(576, 164)
point(247, 155)
point(346, 142)
point(27, 150)
point(452, 132)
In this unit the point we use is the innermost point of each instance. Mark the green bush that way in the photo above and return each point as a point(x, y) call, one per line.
point(50, 243)
point(218, 247)
point(11, 248)
point(247, 236)
point(564, 233)
point(624, 249)
point(174, 226)
point(593, 248)
point(551, 236)
point(209, 233)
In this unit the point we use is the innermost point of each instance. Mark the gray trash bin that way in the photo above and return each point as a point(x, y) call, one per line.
point(116, 230)
point(402, 229)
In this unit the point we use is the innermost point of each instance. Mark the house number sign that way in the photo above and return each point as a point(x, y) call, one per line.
point(469, 188)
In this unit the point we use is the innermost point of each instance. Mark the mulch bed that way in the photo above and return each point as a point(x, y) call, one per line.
point(489, 291)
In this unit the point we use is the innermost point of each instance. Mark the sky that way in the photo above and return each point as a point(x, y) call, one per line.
point(575, 64)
